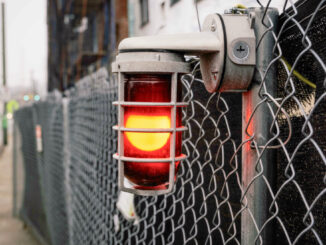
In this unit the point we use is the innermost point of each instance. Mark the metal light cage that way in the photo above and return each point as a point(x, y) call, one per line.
point(157, 63)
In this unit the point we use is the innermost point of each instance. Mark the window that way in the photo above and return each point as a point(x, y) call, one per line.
point(172, 2)
point(144, 12)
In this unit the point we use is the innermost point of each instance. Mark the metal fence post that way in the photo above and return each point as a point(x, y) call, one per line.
point(14, 170)
point(258, 172)
point(66, 163)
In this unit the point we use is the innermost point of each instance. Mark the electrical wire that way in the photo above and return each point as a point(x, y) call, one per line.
point(298, 75)
point(197, 14)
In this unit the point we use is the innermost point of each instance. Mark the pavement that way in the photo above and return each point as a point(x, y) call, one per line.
point(12, 230)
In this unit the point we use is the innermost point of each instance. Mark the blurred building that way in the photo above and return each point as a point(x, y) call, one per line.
point(150, 17)
point(82, 36)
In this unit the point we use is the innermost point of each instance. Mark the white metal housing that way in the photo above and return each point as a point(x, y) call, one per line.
point(226, 47)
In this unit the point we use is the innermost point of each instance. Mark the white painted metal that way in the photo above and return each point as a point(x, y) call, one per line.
point(226, 47)
point(190, 43)
point(161, 62)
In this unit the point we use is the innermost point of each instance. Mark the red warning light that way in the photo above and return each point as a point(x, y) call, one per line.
point(156, 144)
point(149, 120)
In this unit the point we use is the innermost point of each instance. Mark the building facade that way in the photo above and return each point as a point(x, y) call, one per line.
point(82, 37)
point(150, 17)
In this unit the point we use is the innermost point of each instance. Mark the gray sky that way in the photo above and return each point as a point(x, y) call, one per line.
point(26, 43)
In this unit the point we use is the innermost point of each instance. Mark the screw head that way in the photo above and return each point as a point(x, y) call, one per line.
point(213, 26)
point(241, 50)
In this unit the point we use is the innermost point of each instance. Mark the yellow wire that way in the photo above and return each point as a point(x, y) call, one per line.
point(240, 6)
point(298, 75)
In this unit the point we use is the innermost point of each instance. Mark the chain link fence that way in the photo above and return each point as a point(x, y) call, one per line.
point(237, 186)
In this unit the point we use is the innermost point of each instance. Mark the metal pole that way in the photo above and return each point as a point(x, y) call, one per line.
point(14, 171)
point(257, 198)
point(3, 45)
point(67, 164)
point(5, 124)
point(5, 129)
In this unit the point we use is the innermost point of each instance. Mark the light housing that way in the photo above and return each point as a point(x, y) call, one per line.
point(148, 140)
point(150, 120)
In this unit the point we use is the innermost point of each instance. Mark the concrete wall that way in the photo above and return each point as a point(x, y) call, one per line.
point(180, 17)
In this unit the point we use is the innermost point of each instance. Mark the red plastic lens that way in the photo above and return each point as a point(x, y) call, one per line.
point(149, 88)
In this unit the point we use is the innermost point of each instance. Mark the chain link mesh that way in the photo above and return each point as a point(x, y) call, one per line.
point(74, 181)
point(32, 209)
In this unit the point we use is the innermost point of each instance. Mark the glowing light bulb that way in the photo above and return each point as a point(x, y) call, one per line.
point(148, 141)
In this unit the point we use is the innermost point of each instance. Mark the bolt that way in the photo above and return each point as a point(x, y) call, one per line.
point(241, 50)
point(213, 27)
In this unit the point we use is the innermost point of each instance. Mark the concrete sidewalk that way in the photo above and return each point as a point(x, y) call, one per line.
point(12, 231)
